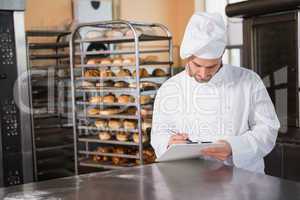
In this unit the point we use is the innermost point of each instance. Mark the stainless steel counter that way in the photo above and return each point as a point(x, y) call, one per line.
point(193, 179)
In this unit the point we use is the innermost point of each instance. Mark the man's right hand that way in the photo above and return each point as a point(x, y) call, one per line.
point(179, 138)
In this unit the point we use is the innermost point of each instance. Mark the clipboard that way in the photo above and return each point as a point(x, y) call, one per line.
point(185, 151)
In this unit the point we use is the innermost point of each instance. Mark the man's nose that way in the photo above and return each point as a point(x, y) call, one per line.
point(203, 72)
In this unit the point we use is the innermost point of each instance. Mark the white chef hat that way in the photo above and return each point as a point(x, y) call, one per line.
point(204, 37)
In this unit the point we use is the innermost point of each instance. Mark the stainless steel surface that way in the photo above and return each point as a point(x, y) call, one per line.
point(15, 5)
point(21, 93)
point(190, 179)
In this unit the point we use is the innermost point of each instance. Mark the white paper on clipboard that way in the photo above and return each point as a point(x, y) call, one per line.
point(185, 151)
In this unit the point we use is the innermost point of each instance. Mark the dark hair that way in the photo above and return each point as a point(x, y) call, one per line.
point(97, 46)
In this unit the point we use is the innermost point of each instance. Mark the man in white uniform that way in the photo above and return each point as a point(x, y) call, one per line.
point(210, 101)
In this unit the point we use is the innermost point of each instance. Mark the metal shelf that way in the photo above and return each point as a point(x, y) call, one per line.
point(105, 104)
point(79, 105)
point(109, 154)
point(107, 129)
point(48, 56)
point(124, 78)
point(119, 116)
point(55, 45)
point(120, 52)
point(148, 64)
point(54, 147)
point(46, 33)
point(90, 139)
point(132, 91)
point(141, 38)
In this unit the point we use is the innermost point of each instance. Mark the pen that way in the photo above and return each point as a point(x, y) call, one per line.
point(188, 140)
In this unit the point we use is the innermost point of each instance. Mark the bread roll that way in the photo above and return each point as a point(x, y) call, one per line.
point(106, 73)
point(100, 123)
point(104, 136)
point(110, 111)
point(114, 34)
point(146, 125)
point(146, 111)
point(105, 61)
point(131, 110)
point(108, 83)
point(94, 34)
point(93, 111)
point(104, 150)
point(129, 33)
point(148, 156)
point(144, 84)
point(87, 84)
point(159, 72)
point(114, 124)
point(125, 99)
point(95, 99)
point(129, 124)
point(136, 139)
point(121, 84)
point(110, 98)
point(128, 61)
point(122, 136)
point(118, 61)
point(91, 73)
point(151, 58)
point(145, 99)
point(123, 72)
point(143, 73)
point(94, 61)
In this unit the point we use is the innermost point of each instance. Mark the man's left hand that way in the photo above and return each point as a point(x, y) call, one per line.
point(221, 153)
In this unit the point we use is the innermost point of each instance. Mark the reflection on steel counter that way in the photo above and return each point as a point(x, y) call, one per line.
point(190, 179)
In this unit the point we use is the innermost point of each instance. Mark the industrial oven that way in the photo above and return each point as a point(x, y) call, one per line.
point(16, 164)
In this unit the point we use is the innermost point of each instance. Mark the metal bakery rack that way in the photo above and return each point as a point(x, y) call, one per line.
point(49, 77)
point(103, 55)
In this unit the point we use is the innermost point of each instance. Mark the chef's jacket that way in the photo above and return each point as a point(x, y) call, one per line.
point(233, 106)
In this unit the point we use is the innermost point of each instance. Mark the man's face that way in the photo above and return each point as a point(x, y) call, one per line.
point(202, 70)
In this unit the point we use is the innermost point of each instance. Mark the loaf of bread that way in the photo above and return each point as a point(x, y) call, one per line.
point(143, 73)
point(104, 136)
point(129, 124)
point(125, 99)
point(105, 61)
point(117, 61)
point(93, 111)
point(101, 123)
point(107, 83)
point(106, 73)
point(95, 99)
point(136, 138)
point(159, 72)
point(123, 72)
point(91, 73)
point(145, 99)
point(122, 136)
point(87, 84)
point(110, 111)
point(114, 33)
point(114, 124)
point(110, 98)
point(121, 84)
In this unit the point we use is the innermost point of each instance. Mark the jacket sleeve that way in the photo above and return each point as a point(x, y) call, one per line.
point(260, 139)
point(162, 121)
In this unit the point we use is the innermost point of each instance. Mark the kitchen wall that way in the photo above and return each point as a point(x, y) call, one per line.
point(57, 14)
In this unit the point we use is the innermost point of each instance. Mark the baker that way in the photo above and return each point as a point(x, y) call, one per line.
point(211, 101)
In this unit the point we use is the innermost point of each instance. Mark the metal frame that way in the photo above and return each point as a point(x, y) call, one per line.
point(136, 40)
point(56, 46)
